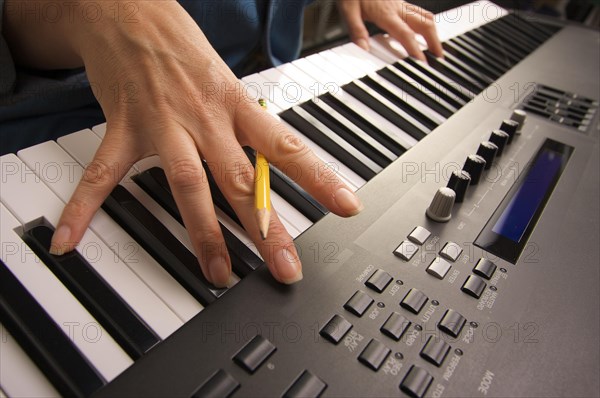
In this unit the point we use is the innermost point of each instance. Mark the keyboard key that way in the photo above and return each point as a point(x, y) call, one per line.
point(374, 354)
point(104, 354)
point(435, 350)
point(336, 329)
point(395, 326)
point(124, 246)
point(359, 303)
point(379, 280)
point(406, 250)
point(416, 382)
point(123, 324)
point(306, 385)
point(47, 345)
point(439, 268)
point(414, 301)
point(452, 323)
point(473, 286)
point(451, 251)
point(419, 235)
point(18, 367)
point(219, 385)
point(485, 268)
point(254, 353)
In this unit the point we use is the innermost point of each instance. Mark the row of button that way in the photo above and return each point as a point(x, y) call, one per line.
point(474, 285)
point(250, 358)
point(409, 248)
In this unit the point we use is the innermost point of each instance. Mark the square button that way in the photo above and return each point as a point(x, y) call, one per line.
point(359, 303)
point(336, 329)
point(451, 251)
point(419, 235)
point(379, 281)
point(406, 250)
point(439, 268)
point(254, 353)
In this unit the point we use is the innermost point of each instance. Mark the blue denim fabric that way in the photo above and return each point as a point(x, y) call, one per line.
point(36, 106)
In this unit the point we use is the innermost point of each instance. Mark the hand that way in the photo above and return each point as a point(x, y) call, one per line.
point(399, 18)
point(186, 105)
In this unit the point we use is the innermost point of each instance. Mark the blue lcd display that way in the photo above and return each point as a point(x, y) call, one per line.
point(520, 211)
point(507, 231)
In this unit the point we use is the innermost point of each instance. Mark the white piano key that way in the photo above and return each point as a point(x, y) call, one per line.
point(19, 376)
point(104, 353)
point(409, 99)
point(293, 92)
point(28, 198)
point(335, 88)
point(342, 171)
point(63, 184)
point(73, 143)
point(351, 53)
point(336, 72)
point(235, 229)
point(297, 75)
point(352, 69)
point(470, 16)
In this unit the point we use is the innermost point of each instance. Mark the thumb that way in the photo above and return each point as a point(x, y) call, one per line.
point(356, 27)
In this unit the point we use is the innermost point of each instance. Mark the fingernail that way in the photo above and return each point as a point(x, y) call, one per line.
point(60, 240)
point(218, 268)
point(348, 201)
point(362, 43)
point(288, 267)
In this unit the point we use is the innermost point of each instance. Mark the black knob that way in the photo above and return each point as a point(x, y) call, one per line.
point(509, 127)
point(474, 165)
point(487, 150)
point(500, 138)
point(459, 182)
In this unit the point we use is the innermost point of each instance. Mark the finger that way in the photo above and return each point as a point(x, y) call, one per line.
point(235, 175)
point(188, 181)
point(288, 153)
point(356, 27)
point(109, 166)
point(399, 30)
point(422, 22)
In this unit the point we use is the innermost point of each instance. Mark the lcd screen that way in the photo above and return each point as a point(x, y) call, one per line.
point(507, 231)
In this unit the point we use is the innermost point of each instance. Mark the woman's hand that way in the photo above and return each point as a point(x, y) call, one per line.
point(400, 19)
point(180, 100)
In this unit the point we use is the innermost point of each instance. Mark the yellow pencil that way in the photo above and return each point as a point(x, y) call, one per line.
point(262, 189)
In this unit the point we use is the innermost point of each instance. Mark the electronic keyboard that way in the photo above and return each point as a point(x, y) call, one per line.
point(472, 271)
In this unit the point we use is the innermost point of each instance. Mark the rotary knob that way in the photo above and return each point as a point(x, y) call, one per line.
point(440, 209)
point(519, 116)
point(474, 165)
point(459, 182)
point(509, 127)
point(487, 150)
point(500, 138)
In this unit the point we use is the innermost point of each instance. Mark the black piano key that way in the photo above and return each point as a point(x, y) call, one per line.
point(216, 194)
point(420, 95)
point(485, 40)
point(385, 138)
point(437, 89)
point(154, 182)
point(95, 294)
point(350, 133)
point(527, 29)
point(328, 140)
point(453, 86)
point(409, 128)
point(448, 69)
point(44, 341)
point(493, 56)
point(484, 69)
point(472, 71)
point(398, 99)
point(292, 192)
point(156, 239)
point(511, 38)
